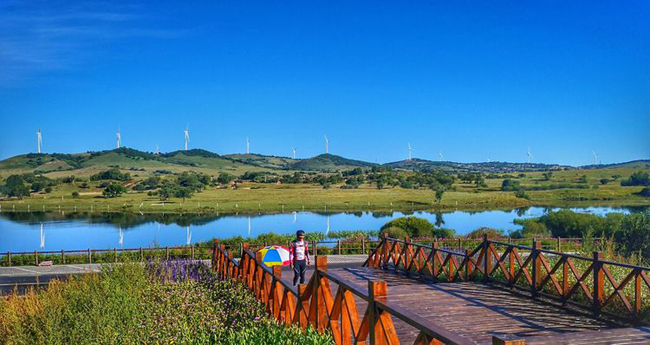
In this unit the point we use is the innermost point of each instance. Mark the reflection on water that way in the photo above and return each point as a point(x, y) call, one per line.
point(28, 231)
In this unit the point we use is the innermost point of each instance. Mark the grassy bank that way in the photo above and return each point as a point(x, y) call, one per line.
point(172, 302)
point(285, 198)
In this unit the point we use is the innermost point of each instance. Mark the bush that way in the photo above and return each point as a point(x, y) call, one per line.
point(414, 226)
point(522, 194)
point(645, 192)
point(480, 232)
point(509, 185)
point(639, 178)
point(395, 232)
point(113, 174)
point(113, 190)
point(444, 233)
point(75, 194)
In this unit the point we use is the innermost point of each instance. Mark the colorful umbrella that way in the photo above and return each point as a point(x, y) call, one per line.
point(275, 255)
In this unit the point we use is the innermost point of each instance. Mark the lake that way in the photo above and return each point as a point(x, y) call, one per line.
point(56, 231)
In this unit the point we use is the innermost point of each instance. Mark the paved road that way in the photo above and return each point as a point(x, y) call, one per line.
point(23, 277)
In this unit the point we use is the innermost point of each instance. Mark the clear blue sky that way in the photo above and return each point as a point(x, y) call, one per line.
point(473, 79)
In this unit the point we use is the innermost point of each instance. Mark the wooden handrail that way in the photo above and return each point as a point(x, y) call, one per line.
point(312, 304)
point(555, 275)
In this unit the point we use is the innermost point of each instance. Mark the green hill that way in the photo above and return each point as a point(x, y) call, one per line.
point(269, 162)
point(486, 167)
point(636, 164)
point(329, 162)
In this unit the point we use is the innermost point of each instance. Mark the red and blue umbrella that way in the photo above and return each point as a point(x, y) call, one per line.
point(274, 255)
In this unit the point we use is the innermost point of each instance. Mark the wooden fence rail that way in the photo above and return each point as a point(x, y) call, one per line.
point(591, 284)
point(314, 304)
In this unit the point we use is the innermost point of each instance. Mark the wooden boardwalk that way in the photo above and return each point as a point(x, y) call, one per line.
point(477, 311)
point(499, 293)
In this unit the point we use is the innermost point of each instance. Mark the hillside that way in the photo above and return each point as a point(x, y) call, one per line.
point(635, 164)
point(486, 167)
point(263, 161)
point(329, 162)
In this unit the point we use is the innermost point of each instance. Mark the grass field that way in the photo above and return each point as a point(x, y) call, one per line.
point(253, 197)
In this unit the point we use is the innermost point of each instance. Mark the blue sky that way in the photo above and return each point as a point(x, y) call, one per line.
point(472, 79)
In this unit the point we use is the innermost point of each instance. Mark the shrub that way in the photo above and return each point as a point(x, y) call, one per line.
point(113, 174)
point(509, 185)
point(522, 194)
point(113, 190)
point(491, 233)
point(444, 233)
point(638, 178)
point(645, 192)
point(395, 232)
point(414, 226)
point(75, 194)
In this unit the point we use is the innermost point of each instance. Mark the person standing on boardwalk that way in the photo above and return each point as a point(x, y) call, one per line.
point(299, 257)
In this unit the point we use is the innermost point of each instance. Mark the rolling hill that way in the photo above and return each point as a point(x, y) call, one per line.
point(486, 167)
point(329, 162)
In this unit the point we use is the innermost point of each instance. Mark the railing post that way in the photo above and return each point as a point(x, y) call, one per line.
point(339, 245)
point(434, 250)
point(36, 257)
point(63, 256)
point(114, 254)
point(215, 243)
point(320, 314)
point(141, 255)
point(376, 291)
point(363, 246)
point(90, 257)
point(536, 267)
point(192, 252)
point(460, 245)
point(275, 291)
point(559, 245)
point(598, 281)
point(315, 248)
point(487, 258)
point(302, 305)
point(384, 250)
point(9, 258)
point(468, 266)
point(166, 253)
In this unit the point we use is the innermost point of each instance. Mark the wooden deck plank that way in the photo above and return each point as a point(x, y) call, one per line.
point(478, 311)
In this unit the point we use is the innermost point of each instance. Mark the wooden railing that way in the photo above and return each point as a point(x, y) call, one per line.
point(313, 304)
point(90, 256)
point(591, 284)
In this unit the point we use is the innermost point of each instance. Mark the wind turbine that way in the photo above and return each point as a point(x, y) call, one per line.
point(157, 150)
point(595, 157)
point(529, 155)
point(442, 157)
point(327, 145)
point(488, 160)
point(118, 136)
point(187, 136)
point(410, 152)
point(39, 139)
point(293, 150)
point(328, 226)
point(248, 146)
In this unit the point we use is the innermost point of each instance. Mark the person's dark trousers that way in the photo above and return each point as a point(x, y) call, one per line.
point(299, 268)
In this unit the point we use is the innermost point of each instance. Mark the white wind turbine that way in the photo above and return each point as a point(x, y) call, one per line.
point(442, 157)
point(118, 136)
point(187, 136)
point(410, 152)
point(293, 152)
point(248, 146)
point(327, 145)
point(157, 150)
point(39, 139)
point(595, 158)
point(529, 155)
point(188, 235)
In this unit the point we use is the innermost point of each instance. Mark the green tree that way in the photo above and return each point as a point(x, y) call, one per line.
point(113, 190)
point(15, 187)
point(75, 194)
point(604, 181)
point(184, 193)
point(583, 179)
point(414, 226)
point(638, 178)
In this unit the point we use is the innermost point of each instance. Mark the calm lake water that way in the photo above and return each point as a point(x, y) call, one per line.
point(56, 231)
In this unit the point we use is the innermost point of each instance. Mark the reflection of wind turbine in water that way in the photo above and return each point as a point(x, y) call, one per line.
point(328, 226)
point(249, 225)
point(295, 216)
point(189, 235)
point(121, 234)
point(42, 236)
